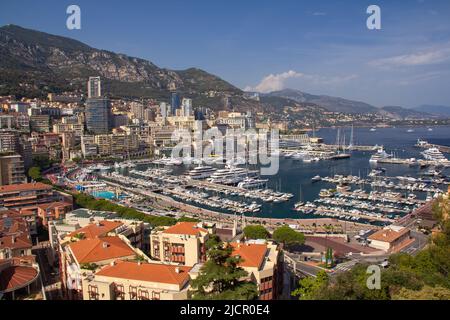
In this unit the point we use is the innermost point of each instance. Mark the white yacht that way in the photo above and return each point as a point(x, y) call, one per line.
point(421, 143)
point(201, 172)
point(380, 155)
point(251, 183)
point(231, 175)
point(433, 154)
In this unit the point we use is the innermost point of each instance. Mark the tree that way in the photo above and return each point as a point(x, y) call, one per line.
point(288, 236)
point(256, 232)
point(35, 173)
point(309, 287)
point(426, 293)
point(220, 278)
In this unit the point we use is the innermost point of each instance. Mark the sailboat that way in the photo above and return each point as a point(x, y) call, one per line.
point(351, 145)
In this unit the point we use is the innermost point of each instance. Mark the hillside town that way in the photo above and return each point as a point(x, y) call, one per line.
point(78, 221)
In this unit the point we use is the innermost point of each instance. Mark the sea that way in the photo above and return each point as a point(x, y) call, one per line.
point(295, 176)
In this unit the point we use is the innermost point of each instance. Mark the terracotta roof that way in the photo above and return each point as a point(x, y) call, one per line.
point(96, 250)
point(16, 242)
point(189, 228)
point(16, 277)
point(95, 230)
point(388, 234)
point(149, 272)
point(25, 187)
point(251, 254)
point(51, 205)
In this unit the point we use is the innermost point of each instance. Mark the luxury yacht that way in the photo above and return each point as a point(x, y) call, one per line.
point(251, 183)
point(201, 172)
point(380, 155)
point(433, 154)
point(231, 175)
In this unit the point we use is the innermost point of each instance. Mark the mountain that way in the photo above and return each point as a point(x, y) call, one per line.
point(33, 63)
point(443, 111)
point(401, 113)
point(330, 103)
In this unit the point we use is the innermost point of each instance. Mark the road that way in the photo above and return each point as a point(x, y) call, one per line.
point(49, 278)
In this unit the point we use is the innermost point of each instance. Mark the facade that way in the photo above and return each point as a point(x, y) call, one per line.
point(88, 146)
point(11, 169)
point(182, 244)
point(130, 280)
point(9, 141)
point(15, 239)
point(26, 195)
point(94, 87)
point(236, 120)
point(52, 211)
point(187, 109)
point(389, 238)
point(263, 263)
point(174, 103)
point(116, 144)
point(40, 123)
point(98, 115)
point(164, 110)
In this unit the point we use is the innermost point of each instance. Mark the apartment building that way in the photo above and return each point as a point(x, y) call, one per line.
point(131, 280)
point(116, 144)
point(263, 263)
point(181, 244)
point(29, 195)
point(47, 212)
point(12, 169)
point(76, 128)
point(15, 239)
point(80, 258)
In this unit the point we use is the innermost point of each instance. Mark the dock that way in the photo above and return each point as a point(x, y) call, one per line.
point(441, 148)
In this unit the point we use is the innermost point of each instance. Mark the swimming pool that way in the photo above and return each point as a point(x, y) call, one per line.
point(106, 195)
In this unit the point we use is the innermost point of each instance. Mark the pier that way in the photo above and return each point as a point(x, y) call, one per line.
point(444, 149)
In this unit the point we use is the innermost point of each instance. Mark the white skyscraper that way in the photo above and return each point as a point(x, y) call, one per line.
point(94, 87)
point(163, 109)
point(187, 107)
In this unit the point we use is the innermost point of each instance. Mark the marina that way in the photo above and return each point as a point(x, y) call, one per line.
point(376, 186)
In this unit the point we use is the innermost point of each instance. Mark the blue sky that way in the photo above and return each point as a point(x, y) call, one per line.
point(321, 47)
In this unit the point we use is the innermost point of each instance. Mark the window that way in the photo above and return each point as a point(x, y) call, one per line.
point(93, 292)
point(133, 293)
point(120, 292)
point(156, 295)
point(144, 295)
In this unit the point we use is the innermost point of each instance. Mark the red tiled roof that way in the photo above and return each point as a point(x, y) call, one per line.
point(96, 250)
point(95, 230)
point(51, 205)
point(189, 228)
point(149, 272)
point(388, 235)
point(251, 254)
point(20, 242)
point(16, 277)
point(25, 187)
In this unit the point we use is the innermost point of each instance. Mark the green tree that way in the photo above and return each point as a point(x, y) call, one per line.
point(220, 278)
point(426, 293)
point(309, 287)
point(35, 173)
point(256, 232)
point(288, 236)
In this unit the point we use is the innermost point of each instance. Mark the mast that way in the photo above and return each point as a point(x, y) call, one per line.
point(350, 146)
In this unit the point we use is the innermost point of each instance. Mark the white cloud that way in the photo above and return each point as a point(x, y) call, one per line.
point(414, 59)
point(319, 13)
point(275, 82)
